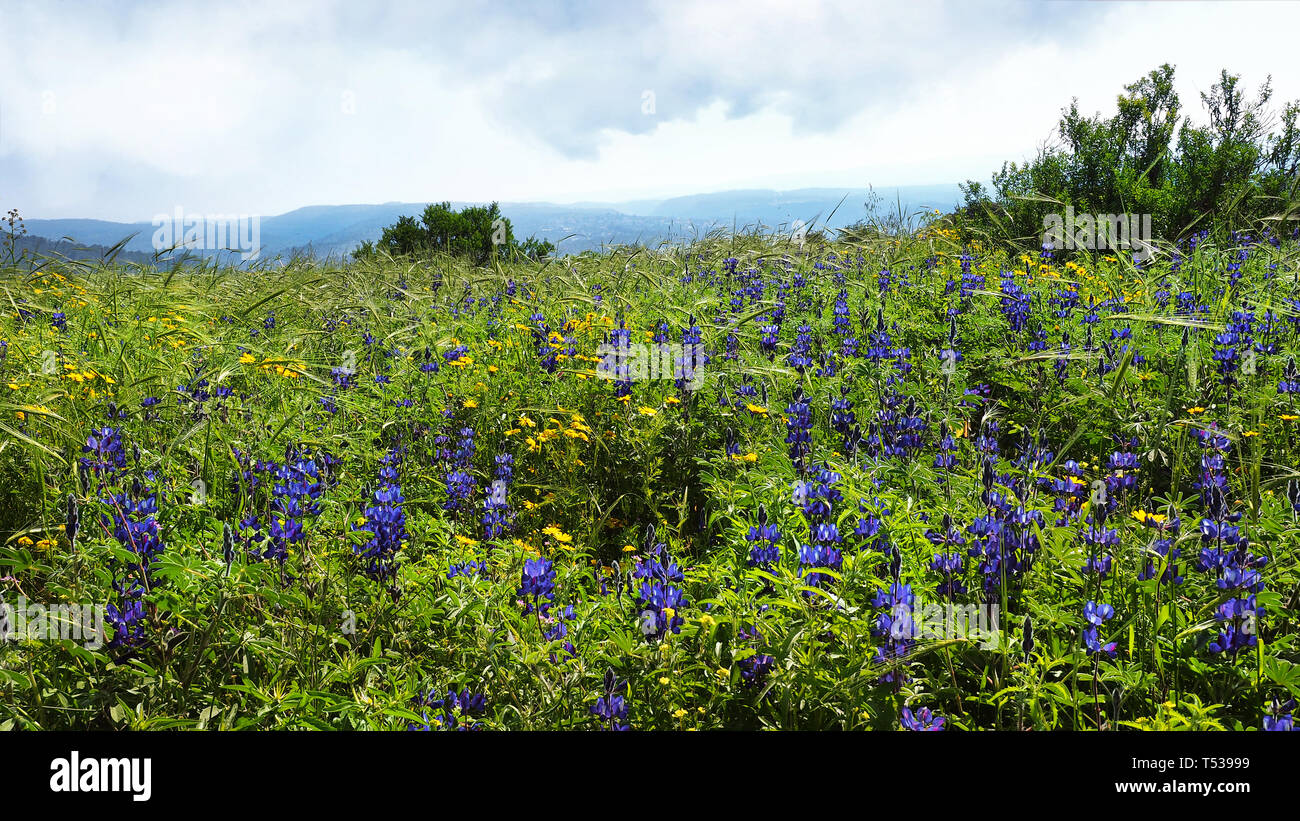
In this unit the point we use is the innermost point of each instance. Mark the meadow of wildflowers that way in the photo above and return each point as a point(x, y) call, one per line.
point(401, 495)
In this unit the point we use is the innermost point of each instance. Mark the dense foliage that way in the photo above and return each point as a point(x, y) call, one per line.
point(476, 232)
point(1237, 165)
point(404, 494)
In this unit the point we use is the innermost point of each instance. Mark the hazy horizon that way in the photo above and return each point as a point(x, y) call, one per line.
point(567, 201)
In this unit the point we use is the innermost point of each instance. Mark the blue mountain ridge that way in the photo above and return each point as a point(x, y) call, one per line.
point(335, 230)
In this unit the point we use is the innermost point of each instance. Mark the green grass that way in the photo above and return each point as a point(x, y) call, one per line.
point(264, 644)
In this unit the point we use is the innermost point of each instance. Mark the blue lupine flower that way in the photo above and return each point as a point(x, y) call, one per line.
point(386, 520)
point(754, 668)
point(611, 708)
point(538, 584)
point(896, 626)
point(127, 617)
point(468, 569)
point(453, 710)
point(763, 537)
point(108, 456)
point(460, 488)
point(1163, 547)
point(950, 567)
point(656, 598)
point(1281, 716)
point(1097, 615)
point(1290, 383)
point(799, 428)
point(922, 720)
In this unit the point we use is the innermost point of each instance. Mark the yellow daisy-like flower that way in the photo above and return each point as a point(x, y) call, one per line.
point(1144, 517)
point(558, 535)
point(756, 410)
point(647, 411)
point(520, 543)
point(465, 540)
point(470, 403)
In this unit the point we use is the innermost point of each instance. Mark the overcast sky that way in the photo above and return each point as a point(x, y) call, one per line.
point(122, 111)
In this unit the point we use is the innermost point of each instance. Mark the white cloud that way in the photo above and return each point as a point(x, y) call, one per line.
point(121, 114)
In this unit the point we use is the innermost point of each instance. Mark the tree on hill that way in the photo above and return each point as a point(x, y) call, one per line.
point(477, 232)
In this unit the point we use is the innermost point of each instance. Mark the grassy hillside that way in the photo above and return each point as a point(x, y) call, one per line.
point(404, 495)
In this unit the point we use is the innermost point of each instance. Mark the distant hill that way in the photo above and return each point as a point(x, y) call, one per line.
point(41, 246)
point(775, 208)
point(335, 230)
